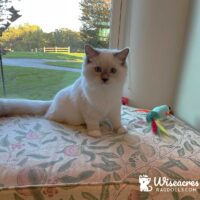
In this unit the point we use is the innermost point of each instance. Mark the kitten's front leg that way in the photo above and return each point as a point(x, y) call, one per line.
point(93, 129)
point(92, 122)
point(115, 117)
point(94, 133)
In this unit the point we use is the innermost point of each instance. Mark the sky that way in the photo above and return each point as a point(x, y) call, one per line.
point(49, 14)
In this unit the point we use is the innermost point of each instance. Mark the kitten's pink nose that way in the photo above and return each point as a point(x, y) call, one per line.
point(104, 80)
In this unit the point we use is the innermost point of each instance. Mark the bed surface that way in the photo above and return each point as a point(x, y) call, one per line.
point(41, 159)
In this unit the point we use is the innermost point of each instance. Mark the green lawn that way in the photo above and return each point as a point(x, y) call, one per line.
point(66, 64)
point(35, 83)
point(41, 55)
point(39, 83)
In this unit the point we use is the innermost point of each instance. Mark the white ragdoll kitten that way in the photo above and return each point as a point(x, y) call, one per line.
point(94, 97)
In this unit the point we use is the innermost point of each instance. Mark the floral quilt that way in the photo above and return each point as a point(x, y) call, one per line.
point(43, 160)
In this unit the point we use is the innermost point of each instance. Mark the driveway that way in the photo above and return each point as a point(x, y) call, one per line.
point(36, 63)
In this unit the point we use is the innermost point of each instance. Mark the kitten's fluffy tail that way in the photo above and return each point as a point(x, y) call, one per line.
point(23, 107)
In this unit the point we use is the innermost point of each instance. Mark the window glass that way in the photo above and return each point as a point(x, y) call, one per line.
point(43, 49)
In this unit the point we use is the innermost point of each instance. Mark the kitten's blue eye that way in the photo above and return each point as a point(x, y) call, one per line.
point(97, 69)
point(113, 70)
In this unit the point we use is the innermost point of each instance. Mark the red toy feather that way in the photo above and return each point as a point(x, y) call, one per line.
point(154, 126)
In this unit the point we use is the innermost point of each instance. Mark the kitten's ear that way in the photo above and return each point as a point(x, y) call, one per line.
point(122, 55)
point(90, 51)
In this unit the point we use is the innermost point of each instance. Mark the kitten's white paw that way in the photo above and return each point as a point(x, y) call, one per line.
point(94, 133)
point(121, 130)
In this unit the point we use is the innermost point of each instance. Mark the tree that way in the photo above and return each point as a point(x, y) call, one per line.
point(65, 37)
point(24, 37)
point(95, 22)
point(8, 14)
point(29, 37)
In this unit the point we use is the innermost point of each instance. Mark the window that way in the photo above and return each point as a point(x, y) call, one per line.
point(45, 52)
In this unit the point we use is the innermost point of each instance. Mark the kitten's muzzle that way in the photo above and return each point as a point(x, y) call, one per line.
point(104, 77)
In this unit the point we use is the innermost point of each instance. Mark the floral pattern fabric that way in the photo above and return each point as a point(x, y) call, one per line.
point(41, 159)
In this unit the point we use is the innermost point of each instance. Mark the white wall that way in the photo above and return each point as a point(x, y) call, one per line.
point(155, 32)
point(187, 104)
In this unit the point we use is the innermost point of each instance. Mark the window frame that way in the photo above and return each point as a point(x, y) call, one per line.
point(117, 27)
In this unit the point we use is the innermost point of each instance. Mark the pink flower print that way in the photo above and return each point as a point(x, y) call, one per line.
point(72, 150)
point(50, 191)
point(17, 146)
point(32, 135)
point(134, 195)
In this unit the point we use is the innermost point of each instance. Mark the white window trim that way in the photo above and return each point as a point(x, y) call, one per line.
point(117, 28)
